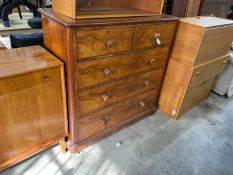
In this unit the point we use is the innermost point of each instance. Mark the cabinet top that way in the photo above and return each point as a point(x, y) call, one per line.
point(24, 60)
point(69, 22)
point(207, 21)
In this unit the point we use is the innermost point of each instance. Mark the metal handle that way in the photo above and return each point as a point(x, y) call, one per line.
point(107, 71)
point(147, 82)
point(157, 39)
point(142, 104)
point(152, 60)
point(156, 35)
point(104, 121)
point(106, 97)
point(109, 44)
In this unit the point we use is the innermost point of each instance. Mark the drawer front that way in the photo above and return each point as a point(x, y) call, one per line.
point(102, 70)
point(98, 97)
point(215, 43)
point(208, 71)
point(196, 94)
point(153, 35)
point(29, 80)
point(101, 42)
point(116, 114)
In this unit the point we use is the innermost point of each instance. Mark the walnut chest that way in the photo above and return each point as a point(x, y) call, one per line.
point(200, 53)
point(33, 113)
point(114, 70)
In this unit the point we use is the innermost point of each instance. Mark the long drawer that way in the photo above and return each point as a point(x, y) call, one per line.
point(114, 115)
point(153, 35)
point(24, 81)
point(105, 41)
point(208, 71)
point(101, 96)
point(196, 94)
point(102, 70)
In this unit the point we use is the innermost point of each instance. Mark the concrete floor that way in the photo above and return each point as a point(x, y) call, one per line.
point(200, 143)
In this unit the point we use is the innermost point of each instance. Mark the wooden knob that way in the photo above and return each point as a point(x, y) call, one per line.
point(104, 121)
point(156, 35)
point(198, 74)
point(152, 60)
point(147, 82)
point(45, 77)
point(107, 71)
point(225, 62)
point(142, 104)
point(109, 44)
point(106, 97)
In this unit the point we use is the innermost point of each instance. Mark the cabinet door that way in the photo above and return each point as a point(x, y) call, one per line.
point(29, 120)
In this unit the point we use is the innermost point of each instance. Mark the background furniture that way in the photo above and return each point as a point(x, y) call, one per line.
point(188, 8)
point(32, 103)
point(114, 70)
point(224, 83)
point(2, 46)
point(200, 53)
point(219, 8)
point(192, 8)
point(7, 7)
point(107, 8)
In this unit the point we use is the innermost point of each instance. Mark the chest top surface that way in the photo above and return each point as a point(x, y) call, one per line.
point(69, 22)
point(207, 21)
point(24, 60)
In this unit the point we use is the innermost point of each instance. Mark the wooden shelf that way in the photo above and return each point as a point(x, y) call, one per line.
point(85, 14)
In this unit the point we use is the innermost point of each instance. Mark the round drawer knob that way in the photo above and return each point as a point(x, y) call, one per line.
point(109, 44)
point(106, 97)
point(225, 62)
point(147, 82)
point(198, 74)
point(152, 60)
point(157, 35)
point(142, 104)
point(104, 121)
point(107, 71)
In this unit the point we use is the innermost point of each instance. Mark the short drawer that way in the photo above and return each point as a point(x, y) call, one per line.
point(208, 71)
point(116, 114)
point(102, 70)
point(29, 80)
point(215, 43)
point(101, 96)
point(154, 35)
point(101, 42)
point(196, 94)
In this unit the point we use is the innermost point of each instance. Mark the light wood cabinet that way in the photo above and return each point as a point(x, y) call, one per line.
point(200, 53)
point(33, 113)
point(83, 9)
point(114, 70)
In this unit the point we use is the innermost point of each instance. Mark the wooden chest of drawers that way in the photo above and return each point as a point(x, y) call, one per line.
point(33, 114)
point(114, 70)
point(200, 53)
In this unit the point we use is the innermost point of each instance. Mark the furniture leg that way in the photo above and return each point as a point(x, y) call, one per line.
point(63, 146)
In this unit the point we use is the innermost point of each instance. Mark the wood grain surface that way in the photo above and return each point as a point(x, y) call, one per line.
point(115, 114)
point(101, 96)
point(146, 35)
point(101, 42)
point(102, 70)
